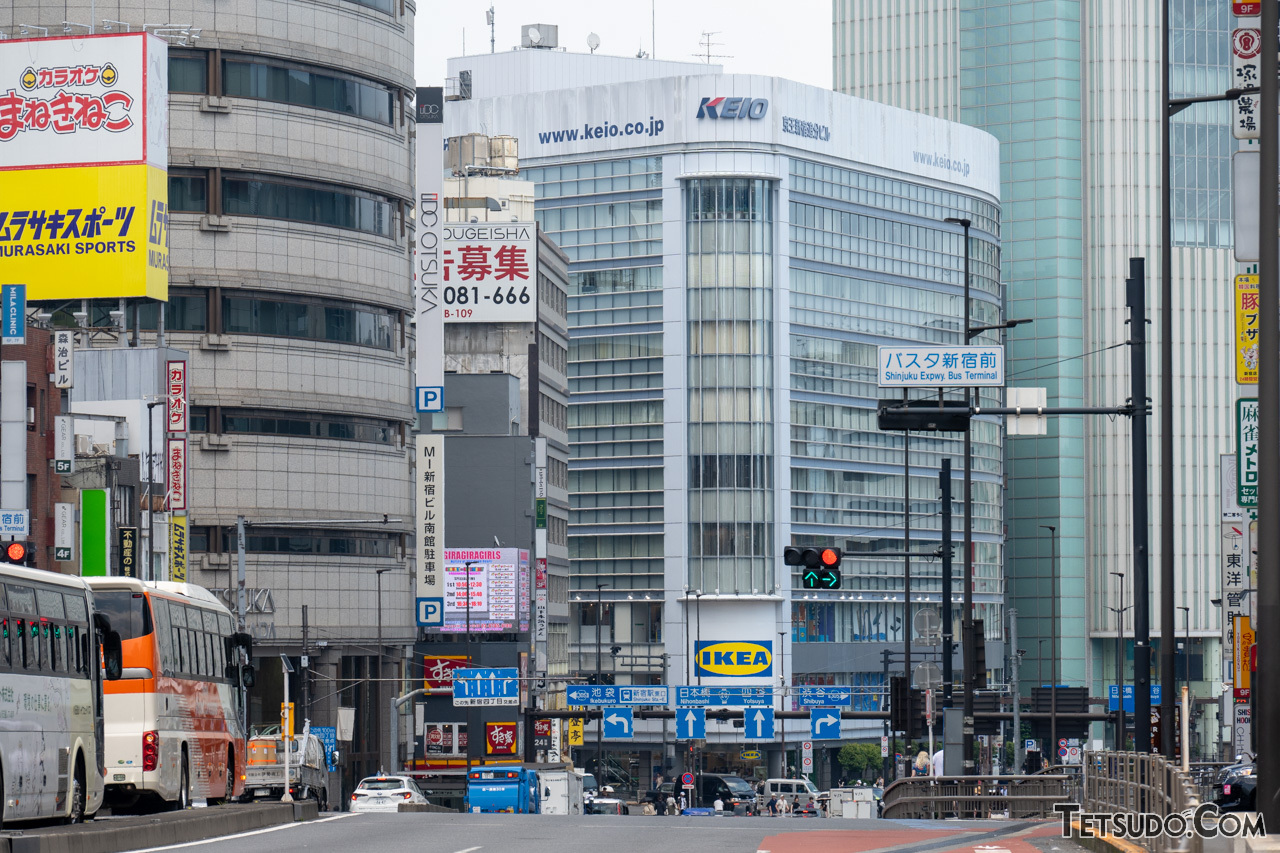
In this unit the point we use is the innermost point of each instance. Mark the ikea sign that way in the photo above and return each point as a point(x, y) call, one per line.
point(734, 659)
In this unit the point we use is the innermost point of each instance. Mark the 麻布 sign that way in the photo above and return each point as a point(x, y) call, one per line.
point(935, 367)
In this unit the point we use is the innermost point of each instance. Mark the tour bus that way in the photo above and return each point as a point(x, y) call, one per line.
point(173, 725)
point(55, 651)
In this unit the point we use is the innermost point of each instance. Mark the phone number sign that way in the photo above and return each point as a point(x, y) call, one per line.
point(490, 272)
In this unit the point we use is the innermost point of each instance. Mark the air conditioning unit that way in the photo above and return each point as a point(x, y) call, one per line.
point(31, 415)
point(84, 445)
point(101, 449)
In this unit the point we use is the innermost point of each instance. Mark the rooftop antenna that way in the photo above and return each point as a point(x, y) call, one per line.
point(640, 54)
point(593, 41)
point(488, 15)
point(706, 44)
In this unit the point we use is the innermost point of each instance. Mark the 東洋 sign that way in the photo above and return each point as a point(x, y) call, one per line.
point(490, 272)
point(1247, 451)
point(1246, 311)
point(935, 367)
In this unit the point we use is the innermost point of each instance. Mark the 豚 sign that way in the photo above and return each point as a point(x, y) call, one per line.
point(933, 367)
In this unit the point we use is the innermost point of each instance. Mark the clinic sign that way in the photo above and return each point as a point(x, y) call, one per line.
point(84, 147)
point(938, 367)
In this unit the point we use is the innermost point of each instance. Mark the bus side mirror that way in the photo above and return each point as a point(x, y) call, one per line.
point(112, 655)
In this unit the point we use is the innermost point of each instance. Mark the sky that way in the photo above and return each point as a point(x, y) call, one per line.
point(755, 37)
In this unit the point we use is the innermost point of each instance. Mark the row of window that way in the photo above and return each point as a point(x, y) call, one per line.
point(552, 353)
point(553, 412)
point(877, 191)
point(216, 419)
point(613, 281)
point(730, 471)
point(44, 630)
point(278, 197)
point(192, 639)
point(596, 177)
point(322, 543)
point(218, 311)
point(280, 81)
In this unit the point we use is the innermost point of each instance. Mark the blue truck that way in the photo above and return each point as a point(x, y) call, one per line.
point(503, 788)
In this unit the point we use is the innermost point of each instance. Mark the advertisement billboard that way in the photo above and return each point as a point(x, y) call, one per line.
point(487, 588)
point(428, 313)
point(86, 233)
point(84, 101)
point(84, 148)
point(429, 520)
point(490, 272)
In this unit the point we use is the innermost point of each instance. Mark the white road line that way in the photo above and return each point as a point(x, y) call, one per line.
point(468, 850)
point(241, 835)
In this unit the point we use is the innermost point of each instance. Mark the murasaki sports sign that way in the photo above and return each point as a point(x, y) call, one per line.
point(734, 658)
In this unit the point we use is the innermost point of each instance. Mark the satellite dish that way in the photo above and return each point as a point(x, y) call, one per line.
point(593, 41)
point(535, 36)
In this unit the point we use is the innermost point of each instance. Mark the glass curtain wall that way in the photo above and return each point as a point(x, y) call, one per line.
point(729, 225)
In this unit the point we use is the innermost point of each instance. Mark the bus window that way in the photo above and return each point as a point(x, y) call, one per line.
point(130, 617)
point(164, 634)
point(38, 660)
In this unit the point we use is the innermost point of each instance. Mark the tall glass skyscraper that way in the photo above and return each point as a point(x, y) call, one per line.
point(1072, 91)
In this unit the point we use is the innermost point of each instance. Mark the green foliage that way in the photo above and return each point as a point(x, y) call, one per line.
point(861, 760)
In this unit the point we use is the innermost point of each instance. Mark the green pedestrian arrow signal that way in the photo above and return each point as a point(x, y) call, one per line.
point(811, 580)
point(830, 579)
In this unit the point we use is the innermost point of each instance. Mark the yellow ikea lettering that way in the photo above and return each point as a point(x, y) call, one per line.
point(734, 659)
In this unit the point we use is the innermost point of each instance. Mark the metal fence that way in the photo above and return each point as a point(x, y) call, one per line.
point(1013, 797)
point(1128, 782)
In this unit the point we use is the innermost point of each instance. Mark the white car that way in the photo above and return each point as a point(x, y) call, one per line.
point(385, 794)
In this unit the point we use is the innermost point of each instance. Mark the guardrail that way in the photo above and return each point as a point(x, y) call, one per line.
point(1133, 783)
point(1014, 797)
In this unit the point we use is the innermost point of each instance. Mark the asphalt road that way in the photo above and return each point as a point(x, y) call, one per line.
point(471, 833)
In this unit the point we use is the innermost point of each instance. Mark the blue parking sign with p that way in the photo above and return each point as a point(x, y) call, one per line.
point(430, 398)
point(430, 612)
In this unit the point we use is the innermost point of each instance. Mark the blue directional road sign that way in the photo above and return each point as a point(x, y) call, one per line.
point(758, 723)
point(607, 694)
point(1128, 696)
point(479, 687)
point(691, 724)
point(824, 724)
point(722, 697)
point(618, 724)
point(817, 695)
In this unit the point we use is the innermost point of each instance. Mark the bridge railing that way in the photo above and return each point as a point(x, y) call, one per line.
point(1014, 797)
point(1133, 783)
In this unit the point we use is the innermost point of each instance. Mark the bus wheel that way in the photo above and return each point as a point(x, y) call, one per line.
point(184, 785)
point(77, 793)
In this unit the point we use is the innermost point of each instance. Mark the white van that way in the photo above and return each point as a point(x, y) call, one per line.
point(789, 788)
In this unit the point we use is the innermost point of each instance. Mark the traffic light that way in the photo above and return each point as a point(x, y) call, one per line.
point(899, 703)
point(19, 554)
point(923, 415)
point(821, 566)
point(978, 637)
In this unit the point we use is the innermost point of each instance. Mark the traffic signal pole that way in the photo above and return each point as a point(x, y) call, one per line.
point(944, 478)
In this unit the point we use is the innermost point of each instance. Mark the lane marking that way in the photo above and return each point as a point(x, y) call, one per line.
point(468, 850)
point(239, 835)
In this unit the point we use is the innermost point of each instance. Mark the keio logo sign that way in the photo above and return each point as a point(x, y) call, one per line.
point(723, 107)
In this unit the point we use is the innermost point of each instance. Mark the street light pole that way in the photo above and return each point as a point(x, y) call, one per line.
point(600, 782)
point(378, 680)
point(966, 616)
point(149, 574)
point(782, 706)
point(1120, 732)
point(1053, 640)
point(470, 663)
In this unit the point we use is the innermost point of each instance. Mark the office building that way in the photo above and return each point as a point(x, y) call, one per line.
point(738, 246)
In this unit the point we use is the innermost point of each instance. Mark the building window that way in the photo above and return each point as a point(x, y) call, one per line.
point(258, 315)
point(188, 193)
point(188, 72)
point(381, 5)
point(295, 424)
point(298, 201)
point(290, 83)
point(265, 540)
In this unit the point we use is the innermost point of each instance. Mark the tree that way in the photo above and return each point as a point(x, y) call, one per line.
point(861, 760)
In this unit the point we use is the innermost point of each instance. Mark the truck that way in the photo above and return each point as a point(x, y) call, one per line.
point(561, 791)
point(308, 768)
point(504, 788)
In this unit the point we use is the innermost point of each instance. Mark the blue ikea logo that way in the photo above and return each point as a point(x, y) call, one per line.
point(730, 659)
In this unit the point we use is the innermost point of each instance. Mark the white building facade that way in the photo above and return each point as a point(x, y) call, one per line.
point(739, 246)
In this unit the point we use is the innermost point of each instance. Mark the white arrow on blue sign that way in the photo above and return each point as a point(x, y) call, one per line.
point(758, 723)
point(618, 723)
point(809, 695)
point(480, 687)
point(691, 724)
point(824, 724)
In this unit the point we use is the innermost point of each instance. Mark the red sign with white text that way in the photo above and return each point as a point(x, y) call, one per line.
point(438, 673)
point(176, 396)
point(176, 464)
point(1245, 9)
point(500, 738)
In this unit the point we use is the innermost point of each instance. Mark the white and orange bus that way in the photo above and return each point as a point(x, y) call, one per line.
point(173, 725)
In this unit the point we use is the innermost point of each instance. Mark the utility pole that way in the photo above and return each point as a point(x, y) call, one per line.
point(887, 758)
point(1054, 641)
point(1119, 612)
point(306, 669)
point(1015, 659)
point(1136, 301)
point(906, 554)
point(1267, 690)
point(945, 481)
point(782, 702)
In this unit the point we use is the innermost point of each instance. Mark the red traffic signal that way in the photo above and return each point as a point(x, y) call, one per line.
point(16, 553)
point(830, 558)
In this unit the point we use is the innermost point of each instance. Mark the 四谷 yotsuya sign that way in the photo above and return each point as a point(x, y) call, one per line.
point(934, 367)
